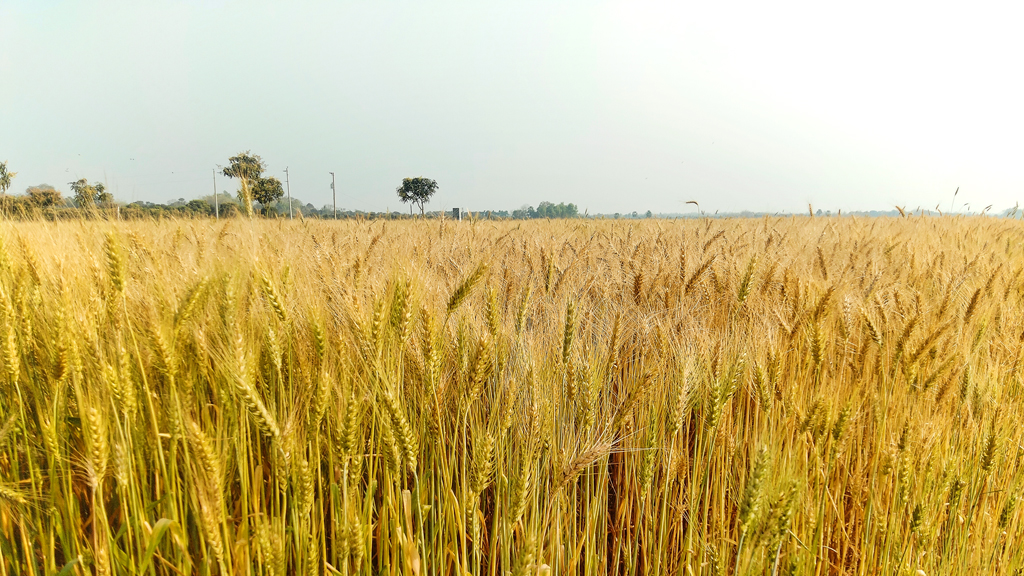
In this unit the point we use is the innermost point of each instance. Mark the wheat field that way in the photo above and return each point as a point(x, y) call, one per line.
point(764, 396)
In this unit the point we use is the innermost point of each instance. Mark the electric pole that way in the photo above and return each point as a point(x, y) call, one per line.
point(216, 201)
point(334, 193)
point(289, 187)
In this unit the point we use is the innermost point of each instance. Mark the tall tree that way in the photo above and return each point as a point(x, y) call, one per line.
point(417, 191)
point(248, 168)
point(5, 183)
point(88, 195)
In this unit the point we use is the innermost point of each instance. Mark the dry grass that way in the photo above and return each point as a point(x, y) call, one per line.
point(774, 396)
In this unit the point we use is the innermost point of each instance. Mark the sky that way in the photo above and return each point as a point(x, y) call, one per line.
point(614, 106)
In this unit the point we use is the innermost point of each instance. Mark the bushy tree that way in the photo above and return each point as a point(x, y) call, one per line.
point(417, 191)
point(267, 191)
point(89, 195)
point(248, 168)
point(5, 183)
point(44, 196)
point(199, 206)
point(547, 210)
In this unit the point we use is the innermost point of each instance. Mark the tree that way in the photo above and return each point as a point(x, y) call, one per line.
point(88, 195)
point(417, 191)
point(44, 196)
point(200, 206)
point(5, 182)
point(547, 210)
point(248, 168)
point(267, 191)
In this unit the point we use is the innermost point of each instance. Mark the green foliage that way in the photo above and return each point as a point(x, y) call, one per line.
point(229, 210)
point(245, 166)
point(44, 196)
point(417, 191)
point(547, 210)
point(199, 206)
point(5, 177)
point(267, 191)
point(248, 168)
point(89, 195)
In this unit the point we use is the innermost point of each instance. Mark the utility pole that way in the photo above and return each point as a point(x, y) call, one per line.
point(334, 192)
point(216, 201)
point(289, 187)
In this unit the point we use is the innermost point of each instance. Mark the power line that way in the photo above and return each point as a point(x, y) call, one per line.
point(171, 181)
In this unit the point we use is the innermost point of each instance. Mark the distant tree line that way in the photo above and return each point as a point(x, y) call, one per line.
point(546, 210)
point(258, 195)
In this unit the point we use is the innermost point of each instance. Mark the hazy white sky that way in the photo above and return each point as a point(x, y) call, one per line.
point(615, 106)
